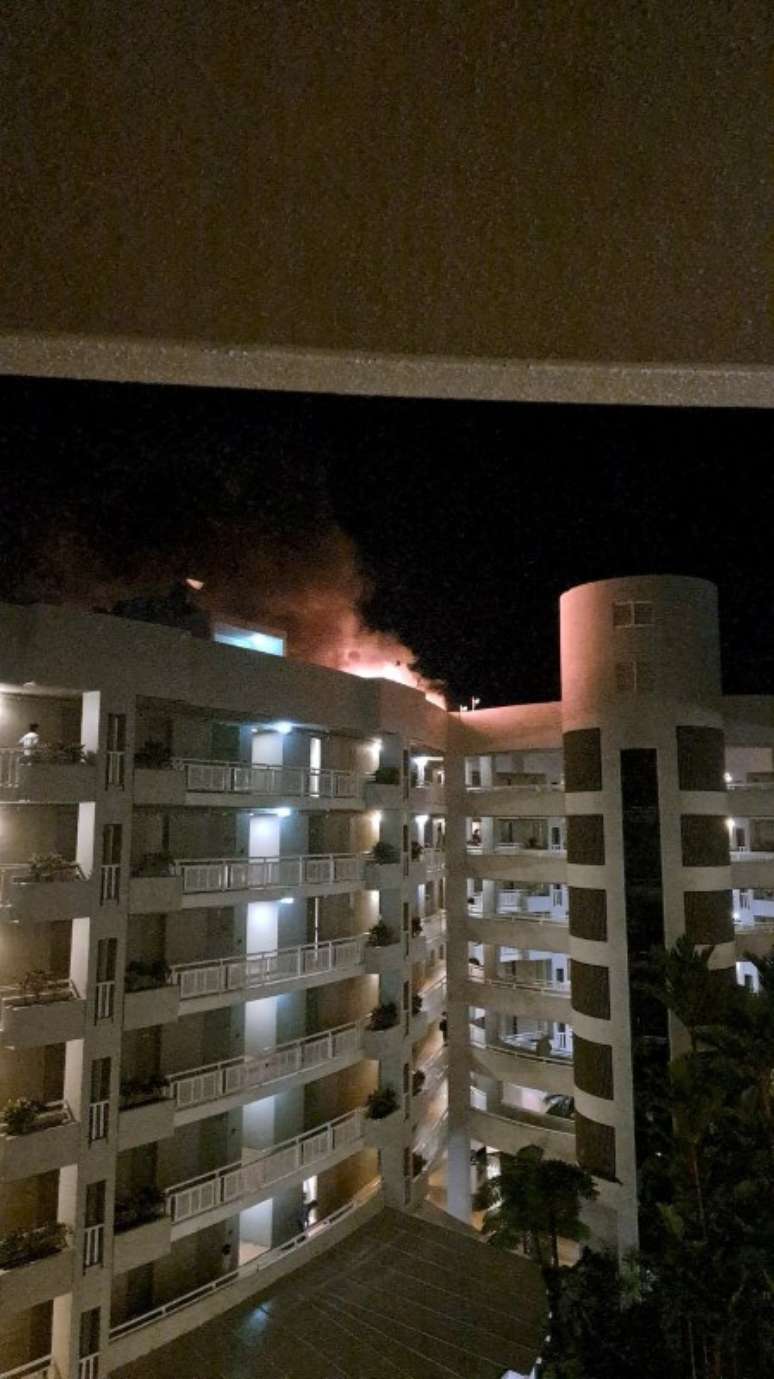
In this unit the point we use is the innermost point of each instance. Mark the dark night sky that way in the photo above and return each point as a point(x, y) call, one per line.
point(469, 519)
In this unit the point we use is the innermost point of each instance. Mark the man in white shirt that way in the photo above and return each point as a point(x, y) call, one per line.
point(31, 740)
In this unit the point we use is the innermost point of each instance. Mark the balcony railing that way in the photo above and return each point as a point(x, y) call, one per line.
point(433, 997)
point(201, 875)
point(513, 849)
point(244, 972)
point(751, 855)
point(521, 1046)
point(224, 777)
point(197, 1086)
point(264, 1261)
point(475, 974)
point(88, 1366)
point(433, 1142)
point(261, 1170)
point(434, 859)
point(10, 760)
point(529, 788)
point(754, 926)
point(35, 1369)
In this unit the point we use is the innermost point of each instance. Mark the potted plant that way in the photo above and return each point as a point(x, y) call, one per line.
point(22, 1116)
point(141, 1091)
point(418, 1164)
point(386, 775)
point(153, 756)
point(146, 1204)
point(50, 866)
point(381, 1103)
point(146, 976)
point(384, 853)
point(155, 864)
point(41, 988)
point(383, 1016)
point(21, 1246)
point(416, 1003)
point(418, 1080)
point(416, 850)
point(416, 926)
point(380, 935)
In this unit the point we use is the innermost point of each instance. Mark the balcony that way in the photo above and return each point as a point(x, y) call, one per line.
point(381, 793)
point(227, 981)
point(243, 786)
point(512, 1061)
point(141, 1244)
point(35, 1266)
point(433, 927)
point(512, 800)
point(427, 862)
point(508, 862)
point(47, 1138)
point(48, 777)
point(514, 996)
point(434, 997)
point(427, 797)
point(204, 880)
point(144, 1122)
point(43, 891)
point(512, 1132)
point(218, 1087)
point(752, 869)
point(128, 1342)
point(379, 958)
point(33, 1016)
point(519, 929)
point(156, 1005)
point(202, 1201)
point(383, 1132)
point(754, 936)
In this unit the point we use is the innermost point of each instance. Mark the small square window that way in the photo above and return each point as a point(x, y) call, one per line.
point(623, 615)
point(643, 614)
point(625, 678)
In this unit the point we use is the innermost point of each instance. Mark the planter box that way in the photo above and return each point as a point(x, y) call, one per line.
point(31, 1026)
point(159, 1006)
point(146, 1124)
point(159, 787)
point(141, 1245)
point(382, 1043)
point(382, 796)
point(378, 876)
point(38, 1282)
point(154, 895)
point(41, 782)
point(388, 959)
point(41, 902)
point(385, 1133)
point(41, 1151)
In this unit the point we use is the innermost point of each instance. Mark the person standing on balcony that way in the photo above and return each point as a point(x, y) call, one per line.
point(30, 741)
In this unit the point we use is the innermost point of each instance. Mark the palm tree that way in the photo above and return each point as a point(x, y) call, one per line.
point(682, 979)
point(533, 1199)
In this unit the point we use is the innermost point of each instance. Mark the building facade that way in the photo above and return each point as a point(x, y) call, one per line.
point(224, 886)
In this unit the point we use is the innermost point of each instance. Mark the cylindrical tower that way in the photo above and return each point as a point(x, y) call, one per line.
point(647, 841)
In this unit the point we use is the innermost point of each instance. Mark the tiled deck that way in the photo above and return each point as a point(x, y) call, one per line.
point(402, 1298)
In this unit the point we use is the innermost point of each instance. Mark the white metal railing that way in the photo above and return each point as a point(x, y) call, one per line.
point(254, 1266)
point(109, 881)
point(263, 873)
point(750, 784)
point(751, 855)
point(517, 1115)
point(93, 1240)
point(104, 999)
point(554, 786)
point(88, 1366)
point(10, 758)
point(434, 1069)
point(245, 972)
point(531, 916)
point(34, 1369)
point(434, 859)
point(262, 1169)
point(227, 777)
point(754, 926)
point(14, 996)
point(98, 1120)
point(197, 1086)
point(433, 997)
point(526, 1049)
point(433, 925)
point(475, 974)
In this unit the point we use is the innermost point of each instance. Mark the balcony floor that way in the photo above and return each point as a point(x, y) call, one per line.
point(401, 1296)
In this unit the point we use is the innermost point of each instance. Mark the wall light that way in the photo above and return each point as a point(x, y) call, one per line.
point(286, 900)
point(421, 762)
point(377, 744)
point(422, 819)
point(376, 815)
point(727, 777)
point(283, 813)
point(283, 727)
point(730, 825)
